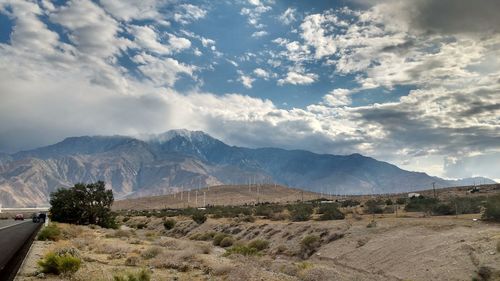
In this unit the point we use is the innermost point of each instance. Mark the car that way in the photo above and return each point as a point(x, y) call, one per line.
point(19, 217)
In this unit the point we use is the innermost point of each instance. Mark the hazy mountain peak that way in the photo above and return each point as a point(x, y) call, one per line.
point(191, 136)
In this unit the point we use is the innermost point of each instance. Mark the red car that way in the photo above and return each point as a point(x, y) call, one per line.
point(19, 217)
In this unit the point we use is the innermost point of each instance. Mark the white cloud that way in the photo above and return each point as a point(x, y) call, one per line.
point(246, 80)
point(296, 78)
point(258, 34)
point(91, 30)
point(146, 37)
point(128, 10)
point(314, 32)
point(288, 16)
point(189, 13)
point(259, 72)
point(338, 97)
point(162, 72)
point(254, 13)
point(179, 43)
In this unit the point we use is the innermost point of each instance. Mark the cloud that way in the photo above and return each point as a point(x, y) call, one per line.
point(188, 13)
point(314, 32)
point(146, 37)
point(254, 13)
point(296, 78)
point(162, 71)
point(258, 34)
point(338, 97)
point(128, 10)
point(259, 72)
point(246, 80)
point(91, 30)
point(288, 16)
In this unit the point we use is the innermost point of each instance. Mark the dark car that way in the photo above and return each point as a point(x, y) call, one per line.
point(19, 217)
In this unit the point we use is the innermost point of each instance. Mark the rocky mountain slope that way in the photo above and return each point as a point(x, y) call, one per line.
point(161, 164)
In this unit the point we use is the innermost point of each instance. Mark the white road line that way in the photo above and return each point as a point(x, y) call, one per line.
point(10, 225)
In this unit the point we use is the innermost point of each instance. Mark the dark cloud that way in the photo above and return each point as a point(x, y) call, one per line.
point(456, 16)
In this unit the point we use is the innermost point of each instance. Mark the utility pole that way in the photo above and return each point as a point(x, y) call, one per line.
point(204, 199)
point(196, 198)
point(434, 188)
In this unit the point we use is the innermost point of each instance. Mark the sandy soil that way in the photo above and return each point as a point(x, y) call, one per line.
point(403, 248)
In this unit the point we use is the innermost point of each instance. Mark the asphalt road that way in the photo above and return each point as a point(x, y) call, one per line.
point(13, 238)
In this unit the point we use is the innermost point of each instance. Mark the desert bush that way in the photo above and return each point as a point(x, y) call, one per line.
point(389, 202)
point(169, 224)
point(142, 275)
point(330, 212)
point(199, 217)
point(492, 209)
point(51, 232)
point(374, 206)
point(389, 209)
point(59, 263)
point(241, 250)
point(219, 237)
point(300, 212)
point(221, 269)
point(443, 209)
point(421, 204)
point(309, 245)
point(349, 203)
point(132, 261)
point(498, 246)
point(119, 233)
point(259, 244)
point(229, 211)
point(203, 236)
point(401, 201)
point(244, 218)
point(227, 242)
point(151, 253)
point(467, 205)
point(69, 231)
point(372, 224)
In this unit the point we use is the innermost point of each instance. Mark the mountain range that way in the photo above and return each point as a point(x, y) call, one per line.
point(182, 159)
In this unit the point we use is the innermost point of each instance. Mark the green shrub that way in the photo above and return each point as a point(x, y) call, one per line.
point(219, 237)
point(349, 203)
point(59, 263)
point(203, 236)
point(443, 209)
point(401, 201)
point(199, 217)
point(421, 204)
point(309, 245)
point(498, 246)
point(142, 275)
point(50, 232)
point(467, 205)
point(227, 242)
point(300, 212)
point(169, 224)
point(241, 250)
point(388, 202)
point(374, 207)
point(330, 212)
point(259, 244)
point(492, 209)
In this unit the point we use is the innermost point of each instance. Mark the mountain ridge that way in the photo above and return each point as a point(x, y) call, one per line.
point(168, 162)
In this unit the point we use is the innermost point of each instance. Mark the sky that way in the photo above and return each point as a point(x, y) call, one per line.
point(415, 83)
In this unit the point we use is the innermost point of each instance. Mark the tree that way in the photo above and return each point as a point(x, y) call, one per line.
point(83, 204)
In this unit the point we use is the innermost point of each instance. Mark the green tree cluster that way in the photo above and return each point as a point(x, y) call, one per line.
point(83, 204)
